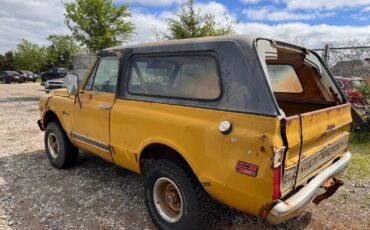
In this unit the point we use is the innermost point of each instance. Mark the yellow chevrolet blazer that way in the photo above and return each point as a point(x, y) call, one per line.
point(257, 124)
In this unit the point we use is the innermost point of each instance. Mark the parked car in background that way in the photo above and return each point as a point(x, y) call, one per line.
point(11, 76)
point(55, 84)
point(55, 73)
point(350, 87)
point(28, 75)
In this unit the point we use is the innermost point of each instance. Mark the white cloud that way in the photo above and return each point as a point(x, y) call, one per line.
point(145, 23)
point(151, 2)
point(271, 14)
point(314, 35)
point(34, 20)
point(250, 1)
point(275, 15)
point(325, 4)
point(366, 9)
point(31, 20)
point(217, 9)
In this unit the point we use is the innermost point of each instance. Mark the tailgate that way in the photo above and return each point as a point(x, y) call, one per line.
point(314, 139)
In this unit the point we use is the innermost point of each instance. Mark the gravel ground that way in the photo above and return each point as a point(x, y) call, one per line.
point(98, 195)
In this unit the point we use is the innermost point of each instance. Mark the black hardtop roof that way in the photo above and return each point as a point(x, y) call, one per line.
point(244, 39)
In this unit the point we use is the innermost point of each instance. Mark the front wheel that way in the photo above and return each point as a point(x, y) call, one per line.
point(59, 150)
point(174, 197)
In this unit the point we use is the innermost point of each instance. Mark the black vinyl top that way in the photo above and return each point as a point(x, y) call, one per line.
point(244, 85)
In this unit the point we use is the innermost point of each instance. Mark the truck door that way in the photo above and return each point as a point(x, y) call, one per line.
point(90, 125)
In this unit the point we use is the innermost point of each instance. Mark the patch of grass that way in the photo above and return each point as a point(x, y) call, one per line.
point(340, 199)
point(359, 168)
point(367, 201)
point(361, 134)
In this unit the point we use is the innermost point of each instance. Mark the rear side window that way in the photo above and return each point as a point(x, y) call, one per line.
point(194, 77)
point(284, 79)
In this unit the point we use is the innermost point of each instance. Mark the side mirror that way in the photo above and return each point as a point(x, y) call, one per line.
point(73, 84)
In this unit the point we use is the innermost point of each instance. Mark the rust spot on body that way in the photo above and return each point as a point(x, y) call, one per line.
point(263, 138)
point(263, 150)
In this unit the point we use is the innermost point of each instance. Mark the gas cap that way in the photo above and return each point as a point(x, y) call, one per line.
point(225, 127)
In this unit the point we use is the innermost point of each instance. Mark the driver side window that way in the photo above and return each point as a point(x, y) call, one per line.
point(106, 75)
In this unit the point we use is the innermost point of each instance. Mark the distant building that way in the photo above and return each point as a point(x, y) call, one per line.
point(354, 68)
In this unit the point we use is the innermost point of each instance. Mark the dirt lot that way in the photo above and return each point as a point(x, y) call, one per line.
point(98, 195)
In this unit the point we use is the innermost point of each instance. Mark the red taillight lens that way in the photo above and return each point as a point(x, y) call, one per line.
point(353, 93)
point(276, 193)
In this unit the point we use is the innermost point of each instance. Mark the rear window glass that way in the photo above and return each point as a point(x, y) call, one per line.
point(284, 79)
point(194, 77)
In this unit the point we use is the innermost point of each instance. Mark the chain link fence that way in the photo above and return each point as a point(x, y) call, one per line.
point(82, 63)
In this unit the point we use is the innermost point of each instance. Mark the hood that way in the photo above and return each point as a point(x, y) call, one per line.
point(59, 92)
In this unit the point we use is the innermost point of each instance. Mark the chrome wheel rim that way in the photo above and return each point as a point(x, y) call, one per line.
point(53, 145)
point(168, 200)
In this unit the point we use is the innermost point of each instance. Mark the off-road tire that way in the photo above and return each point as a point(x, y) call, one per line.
point(197, 204)
point(67, 154)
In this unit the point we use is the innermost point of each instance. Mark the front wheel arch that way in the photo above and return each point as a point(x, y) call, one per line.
point(50, 116)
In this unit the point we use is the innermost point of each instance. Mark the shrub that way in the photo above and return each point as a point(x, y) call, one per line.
point(361, 134)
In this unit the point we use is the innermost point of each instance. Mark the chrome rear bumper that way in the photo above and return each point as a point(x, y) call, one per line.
point(295, 205)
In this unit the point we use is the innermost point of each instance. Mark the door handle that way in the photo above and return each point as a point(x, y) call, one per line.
point(104, 106)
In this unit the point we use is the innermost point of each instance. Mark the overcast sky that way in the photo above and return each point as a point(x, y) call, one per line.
point(314, 21)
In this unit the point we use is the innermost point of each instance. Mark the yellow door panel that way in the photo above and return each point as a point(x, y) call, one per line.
point(91, 121)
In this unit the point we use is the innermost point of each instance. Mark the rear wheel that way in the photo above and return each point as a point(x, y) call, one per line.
point(59, 150)
point(174, 197)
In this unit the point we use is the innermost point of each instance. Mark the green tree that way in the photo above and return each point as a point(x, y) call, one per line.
point(7, 61)
point(191, 23)
point(29, 56)
point(98, 24)
point(60, 50)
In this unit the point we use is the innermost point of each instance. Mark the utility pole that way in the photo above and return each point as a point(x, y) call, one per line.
point(326, 54)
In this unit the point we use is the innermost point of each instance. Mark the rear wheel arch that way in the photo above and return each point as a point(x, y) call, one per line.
point(155, 151)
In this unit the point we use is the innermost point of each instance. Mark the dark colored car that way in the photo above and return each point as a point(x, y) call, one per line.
point(11, 76)
point(54, 74)
point(28, 75)
point(350, 88)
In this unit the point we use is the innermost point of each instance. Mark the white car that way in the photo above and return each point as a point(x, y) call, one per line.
point(55, 84)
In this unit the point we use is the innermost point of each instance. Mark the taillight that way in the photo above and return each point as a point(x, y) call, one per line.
point(276, 181)
point(353, 93)
point(278, 156)
point(276, 193)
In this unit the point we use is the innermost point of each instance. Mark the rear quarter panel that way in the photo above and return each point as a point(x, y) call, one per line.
point(194, 133)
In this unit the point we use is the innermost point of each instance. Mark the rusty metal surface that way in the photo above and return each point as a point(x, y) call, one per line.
point(331, 186)
point(295, 205)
